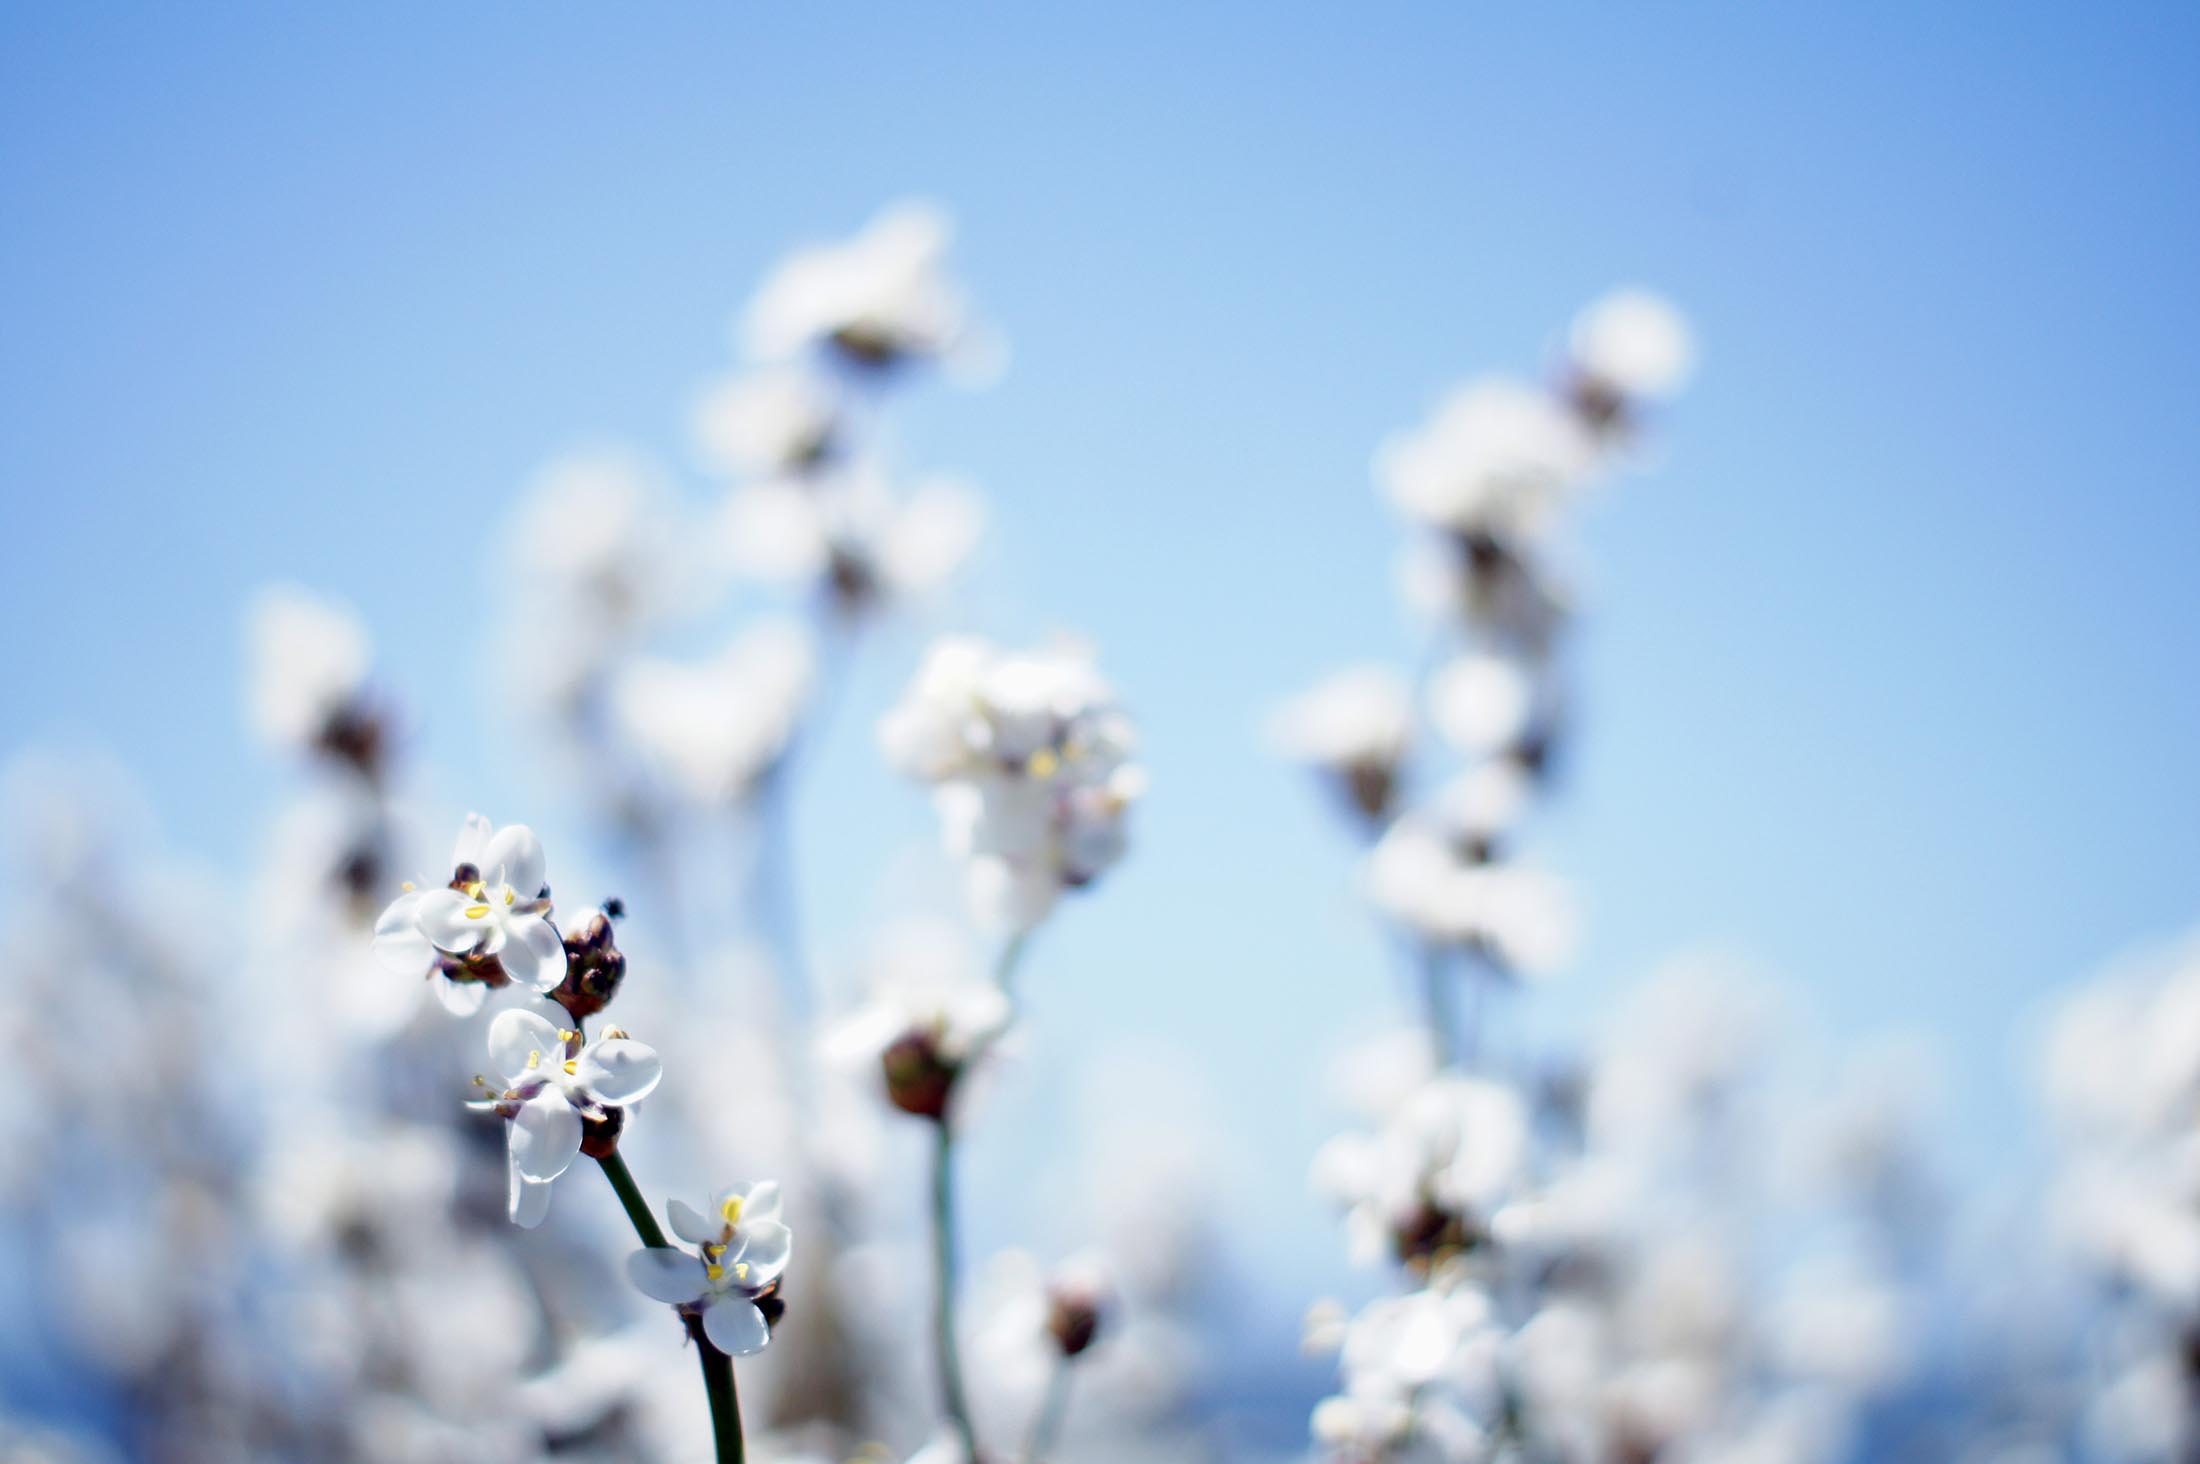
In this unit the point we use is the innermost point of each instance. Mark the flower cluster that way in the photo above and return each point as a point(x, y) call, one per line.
point(1030, 757)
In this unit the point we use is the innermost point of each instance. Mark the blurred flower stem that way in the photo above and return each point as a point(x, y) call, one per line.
point(1439, 1003)
point(953, 1400)
point(725, 1402)
point(1046, 1428)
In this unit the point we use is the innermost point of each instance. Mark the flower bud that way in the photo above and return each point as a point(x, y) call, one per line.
point(920, 1078)
point(594, 967)
point(1077, 1299)
point(600, 1136)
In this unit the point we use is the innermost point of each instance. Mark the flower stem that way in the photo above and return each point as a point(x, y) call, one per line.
point(725, 1402)
point(1440, 1004)
point(952, 1398)
point(1046, 1429)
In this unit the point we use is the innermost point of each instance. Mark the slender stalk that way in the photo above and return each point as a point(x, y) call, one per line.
point(1439, 1004)
point(718, 1385)
point(1046, 1428)
point(953, 1401)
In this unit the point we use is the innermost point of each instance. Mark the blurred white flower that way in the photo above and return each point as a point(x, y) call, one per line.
point(309, 664)
point(928, 1010)
point(764, 423)
point(1483, 703)
point(1355, 727)
point(1497, 458)
point(496, 907)
point(1030, 755)
point(1633, 344)
point(1426, 1185)
point(1437, 882)
point(851, 535)
point(553, 1082)
point(744, 1248)
point(878, 299)
point(710, 730)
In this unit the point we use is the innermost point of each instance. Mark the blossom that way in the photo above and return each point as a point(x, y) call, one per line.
point(554, 1082)
point(1031, 760)
point(1483, 703)
point(928, 1013)
point(1432, 873)
point(851, 535)
point(877, 299)
point(1497, 458)
point(743, 1249)
point(1355, 727)
point(1632, 344)
point(1428, 1183)
point(490, 924)
point(764, 423)
point(310, 659)
point(711, 729)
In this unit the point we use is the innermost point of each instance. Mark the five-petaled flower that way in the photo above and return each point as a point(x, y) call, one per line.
point(488, 926)
point(743, 1249)
point(554, 1081)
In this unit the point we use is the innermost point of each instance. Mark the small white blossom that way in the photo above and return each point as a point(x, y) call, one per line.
point(1497, 458)
point(310, 659)
point(743, 1249)
point(1446, 1160)
point(1437, 881)
point(764, 423)
point(1633, 344)
point(879, 298)
point(851, 535)
point(553, 1081)
point(1482, 703)
point(496, 908)
point(711, 729)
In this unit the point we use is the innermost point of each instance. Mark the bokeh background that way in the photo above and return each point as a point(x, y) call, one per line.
point(1886, 671)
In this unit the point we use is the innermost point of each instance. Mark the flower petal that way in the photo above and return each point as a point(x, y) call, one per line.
point(759, 1201)
point(398, 943)
point(460, 998)
point(545, 1136)
point(690, 1224)
point(765, 1247)
point(619, 1070)
point(516, 854)
point(445, 921)
point(472, 836)
point(667, 1275)
point(526, 1202)
point(533, 955)
point(735, 1326)
point(519, 1037)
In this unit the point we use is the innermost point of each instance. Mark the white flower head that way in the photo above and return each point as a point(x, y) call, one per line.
point(1030, 757)
point(1497, 458)
point(554, 1080)
point(852, 536)
point(310, 660)
point(1483, 703)
point(711, 729)
point(742, 1247)
point(765, 423)
point(1633, 344)
point(1438, 882)
point(1434, 1176)
point(877, 299)
point(490, 924)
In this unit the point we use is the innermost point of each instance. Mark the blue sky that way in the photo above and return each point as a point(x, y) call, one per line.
point(1887, 677)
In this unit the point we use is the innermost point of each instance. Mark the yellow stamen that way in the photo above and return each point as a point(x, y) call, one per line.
point(572, 1066)
point(715, 1271)
point(534, 1059)
point(510, 894)
point(408, 887)
point(741, 1271)
point(1043, 763)
point(731, 1210)
point(473, 889)
point(476, 912)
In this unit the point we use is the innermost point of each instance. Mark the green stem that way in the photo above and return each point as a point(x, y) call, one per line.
point(1441, 1007)
point(953, 1401)
point(1046, 1429)
point(725, 1402)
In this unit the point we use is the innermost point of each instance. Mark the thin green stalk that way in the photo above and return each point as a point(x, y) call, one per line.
point(953, 1401)
point(718, 1385)
point(1046, 1428)
point(1439, 998)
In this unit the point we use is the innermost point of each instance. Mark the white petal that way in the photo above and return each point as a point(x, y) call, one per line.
point(735, 1326)
point(472, 836)
point(527, 1203)
point(667, 1275)
point(545, 1136)
point(518, 1035)
point(460, 998)
point(759, 1201)
point(765, 1248)
point(690, 1224)
point(619, 1070)
point(516, 854)
point(398, 943)
point(533, 955)
point(444, 920)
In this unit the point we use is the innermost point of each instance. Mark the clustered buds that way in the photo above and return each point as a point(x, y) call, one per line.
point(594, 964)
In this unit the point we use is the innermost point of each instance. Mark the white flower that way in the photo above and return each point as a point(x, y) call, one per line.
point(497, 905)
point(1456, 1151)
point(1436, 881)
point(878, 298)
point(763, 423)
point(850, 534)
point(309, 665)
point(1482, 703)
point(553, 1082)
point(1358, 717)
point(711, 729)
point(1497, 458)
point(927, 983)
point(1031, 758)
point(744, 1248)
point(1633, 344)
